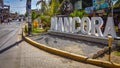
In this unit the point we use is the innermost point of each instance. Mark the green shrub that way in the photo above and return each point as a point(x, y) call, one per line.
point(78, 14)
point(117, 53)
point(46, 29)
point(38, 30)
point(42, 17)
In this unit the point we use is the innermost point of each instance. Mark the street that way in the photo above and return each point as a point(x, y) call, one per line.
point(38, 33)
point(8, 40)
point(16, 53)
point(8, 34)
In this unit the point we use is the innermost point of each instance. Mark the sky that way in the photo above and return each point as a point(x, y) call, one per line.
point(19, 6)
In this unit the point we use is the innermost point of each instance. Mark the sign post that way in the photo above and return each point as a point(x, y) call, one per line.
point(28, 9)
point(110, 40)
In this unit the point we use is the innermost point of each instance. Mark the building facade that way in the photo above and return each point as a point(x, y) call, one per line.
point(4, 11)
point(1, 5)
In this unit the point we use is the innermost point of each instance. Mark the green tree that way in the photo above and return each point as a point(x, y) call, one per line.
point(78, 14)
point(35, 15)
point(54, 4)
point(117, 4)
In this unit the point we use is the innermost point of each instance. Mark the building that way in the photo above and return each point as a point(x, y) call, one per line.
point(82, 3)
point(1, 5)
point(14, 16)
point(4, 11)
point(75, 4)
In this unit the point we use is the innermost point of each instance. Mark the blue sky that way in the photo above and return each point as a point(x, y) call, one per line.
point(19, 5)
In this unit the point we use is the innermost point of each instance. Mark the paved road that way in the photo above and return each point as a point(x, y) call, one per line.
point(20, 54)
point(7, 32)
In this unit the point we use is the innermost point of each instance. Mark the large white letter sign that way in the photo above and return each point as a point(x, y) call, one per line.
point(70, 22)
point(60, 25)
point(53, 24)
point(74, 21)
point(97, 23)
point(85, 26)
point(109, 28)
point(67, 24)
point(85, 20)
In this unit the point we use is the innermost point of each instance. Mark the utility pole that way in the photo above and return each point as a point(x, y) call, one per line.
point(28, 10)
point(112, 8)
point(110, 2)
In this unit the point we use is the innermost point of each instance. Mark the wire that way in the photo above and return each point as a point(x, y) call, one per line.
point(19, 7)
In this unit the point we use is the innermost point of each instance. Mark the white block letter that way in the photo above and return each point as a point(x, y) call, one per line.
point(60, 25)
point(97, 23)
point(74, 21)
point(85, 20)
point(109, 28)
point(67, 24)
point(53, 26)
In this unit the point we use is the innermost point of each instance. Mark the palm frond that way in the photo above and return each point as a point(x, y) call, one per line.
point(38, 2)
point(117, 4)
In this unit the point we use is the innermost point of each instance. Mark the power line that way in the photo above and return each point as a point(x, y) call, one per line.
point(19, 7)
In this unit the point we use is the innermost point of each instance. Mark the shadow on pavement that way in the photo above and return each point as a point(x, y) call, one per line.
point(7, 48)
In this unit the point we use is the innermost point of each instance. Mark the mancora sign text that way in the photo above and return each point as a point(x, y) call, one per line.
point(87, 26)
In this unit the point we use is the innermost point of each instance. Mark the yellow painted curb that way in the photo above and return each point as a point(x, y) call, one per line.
point(71, 55)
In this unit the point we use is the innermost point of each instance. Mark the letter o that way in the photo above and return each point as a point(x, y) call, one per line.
point(88, 25)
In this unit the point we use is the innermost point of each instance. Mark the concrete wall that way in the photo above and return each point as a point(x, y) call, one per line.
point(83, 37)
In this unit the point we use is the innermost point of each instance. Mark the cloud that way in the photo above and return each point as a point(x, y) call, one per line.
point(19, 5)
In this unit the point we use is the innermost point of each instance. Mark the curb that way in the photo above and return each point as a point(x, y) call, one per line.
point(71, 55)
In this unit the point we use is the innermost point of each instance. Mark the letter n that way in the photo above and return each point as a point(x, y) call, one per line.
point(53, 24)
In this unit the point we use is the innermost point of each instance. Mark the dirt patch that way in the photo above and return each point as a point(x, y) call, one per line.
point(74, 49)
point(114, 58)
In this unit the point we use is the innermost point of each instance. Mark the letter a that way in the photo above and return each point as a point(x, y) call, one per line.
point(109, 28)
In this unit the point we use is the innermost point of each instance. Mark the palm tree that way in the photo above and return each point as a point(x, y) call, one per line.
point(28, 11)
point(117, 4)
point(54, 4)
point(44, 6)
